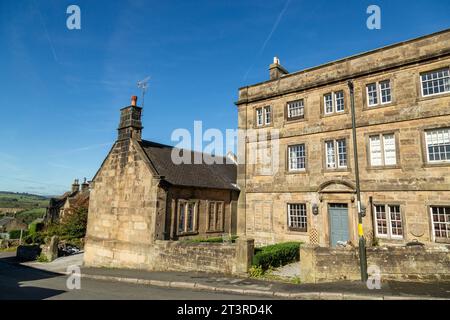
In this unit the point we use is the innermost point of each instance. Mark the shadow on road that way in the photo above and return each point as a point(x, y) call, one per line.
point(13, 277)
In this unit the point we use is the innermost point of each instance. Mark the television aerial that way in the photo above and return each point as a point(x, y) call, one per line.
point(143, 85)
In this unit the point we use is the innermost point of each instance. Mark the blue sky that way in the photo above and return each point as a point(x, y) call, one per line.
point(61, 90)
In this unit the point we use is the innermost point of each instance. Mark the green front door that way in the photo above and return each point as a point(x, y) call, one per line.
point(338, 216)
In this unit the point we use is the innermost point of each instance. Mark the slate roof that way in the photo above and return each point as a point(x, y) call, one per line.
point(202, 175)
point(6, 220)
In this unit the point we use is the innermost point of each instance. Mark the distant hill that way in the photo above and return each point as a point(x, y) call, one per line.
point(22, 200)
point(24, 206)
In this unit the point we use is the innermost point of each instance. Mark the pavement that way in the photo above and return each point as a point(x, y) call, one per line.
point(21, 282)
point(249, 287)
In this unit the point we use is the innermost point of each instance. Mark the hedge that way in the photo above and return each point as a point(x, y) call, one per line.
point(276, 255)
point(15, 234)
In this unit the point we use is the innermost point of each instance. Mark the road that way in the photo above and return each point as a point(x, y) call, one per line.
point(20, 282)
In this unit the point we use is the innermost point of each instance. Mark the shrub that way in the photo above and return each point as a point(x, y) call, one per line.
point(41, 258)
point(256, 272)
point(15, 234)
point(34, 238)
point(276, 255)
point(74, 226)
point(35, 227)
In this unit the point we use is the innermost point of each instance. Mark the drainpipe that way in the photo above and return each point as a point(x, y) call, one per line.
point(362, 241)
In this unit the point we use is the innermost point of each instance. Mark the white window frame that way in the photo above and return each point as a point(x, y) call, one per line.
point(427, 145)
point(445, 222)
point(333, 95)
point(298, 104)
point(387, 210)
point(290, 162)
point(382, 139)
point(336, 160)
point(266, 116)
point(430, 72)
point(378, 93)
point(300, 213)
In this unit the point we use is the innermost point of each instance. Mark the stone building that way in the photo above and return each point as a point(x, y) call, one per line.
point(62, 206)
point(140, 195)
point(402, 102)
point(8, 224)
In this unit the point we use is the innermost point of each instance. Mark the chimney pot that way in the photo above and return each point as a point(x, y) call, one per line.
point(133, 100)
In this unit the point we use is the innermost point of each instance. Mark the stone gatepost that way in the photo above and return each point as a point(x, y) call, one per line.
point(51, 249)
point(308, 263)
point(244, 255)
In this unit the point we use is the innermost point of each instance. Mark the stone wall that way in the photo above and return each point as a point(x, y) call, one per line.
point(193, 257)
point(172, 256)
point(123, 204)
point(322, 264)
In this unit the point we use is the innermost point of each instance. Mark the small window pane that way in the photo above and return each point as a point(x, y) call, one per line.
point(328, 103)
point(297, 157)
point(390, 156)
point(330, 154)
point(297, 216)
point(385, 91)
point(372, 95)
point(342, 152)
point(435, 82)
point(375, 151)
point(438, 145)
point(339, 96)
point(441, 222)
point(259, 117)
point(296, 109)
point(267, 115)
point(381, 220)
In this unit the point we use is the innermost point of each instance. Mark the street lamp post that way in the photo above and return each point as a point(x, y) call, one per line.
point(362, 241)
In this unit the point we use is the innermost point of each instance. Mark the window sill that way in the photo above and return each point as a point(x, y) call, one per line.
point(375, 168)
point(442, 240)
point(433, 96)
point(330, 170)
point(215, 231)
point(294, 120)
point(378, 106)
point(438, 164)
point(298, 230)
point(334, 114)
point(184, 234)
point(296, 172)
point(263, 126)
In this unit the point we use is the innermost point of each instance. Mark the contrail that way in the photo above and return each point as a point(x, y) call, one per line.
point(52, 48)
point(274, 27)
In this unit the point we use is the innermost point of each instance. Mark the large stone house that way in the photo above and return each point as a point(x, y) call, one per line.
point(402, 101)
point(140, 195)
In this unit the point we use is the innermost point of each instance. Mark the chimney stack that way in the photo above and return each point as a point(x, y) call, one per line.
point(75, 186)
point(276, 70)
point(130, 125)
point(84, 186)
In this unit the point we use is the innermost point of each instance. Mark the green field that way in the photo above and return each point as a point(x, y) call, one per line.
point(22, 200)
point(29, 216)
point(32, 206)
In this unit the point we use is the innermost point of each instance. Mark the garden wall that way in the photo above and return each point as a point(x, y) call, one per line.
point(323, 264)
point(181, 256)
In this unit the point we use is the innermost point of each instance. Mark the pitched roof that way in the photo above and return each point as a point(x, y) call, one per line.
point(6, 220)
point(202, 175)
